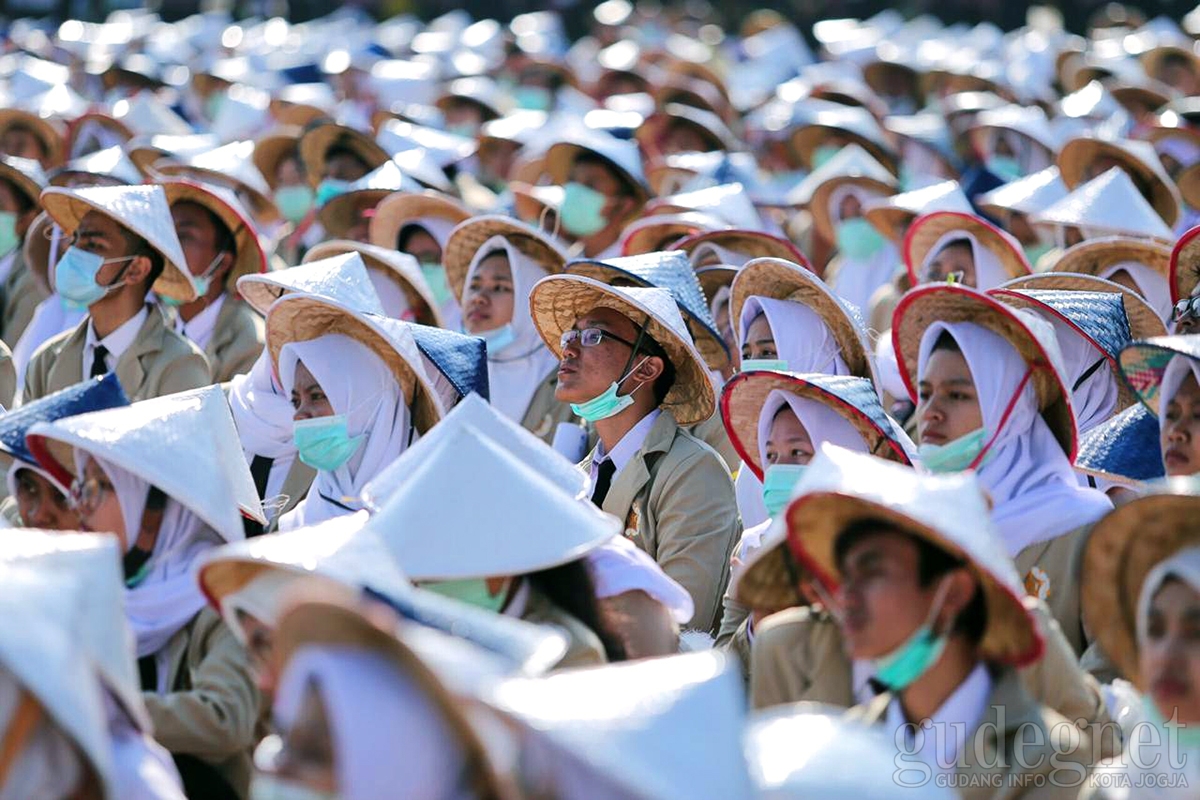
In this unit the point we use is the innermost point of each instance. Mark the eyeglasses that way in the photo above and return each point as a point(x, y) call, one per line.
point(87, 495)
point(1187, 307)
point(590, 337)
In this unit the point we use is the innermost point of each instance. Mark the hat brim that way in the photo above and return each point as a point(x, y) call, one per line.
point(818, 206)
point(925, 305)
point(714, 277)
point(1076, 154)
point(315, 142)
point(1143, 364)
point(399, 209)
point(299, 318)
point(785, 280)
point(346, 210)
point(891, 221)
point(806, 140)
point(751, 243)
point(1189, 185)
point(558, 301)
point(1184, 266)
point(743, 398)
point(270, 150)
point(466, 239)
point(1122, 549)
point(561, 156)
point(927, 230)
point(420, 299)
point(251, 258)
point(45, 130)
point(1095, 255)
point(1144, 322)
point(23, 183)
point(263, 206)
point(653, 235)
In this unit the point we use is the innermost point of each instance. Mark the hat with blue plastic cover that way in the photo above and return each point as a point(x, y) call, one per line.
point(1144, 322)
point(142, 210)
point(670, 270)
point(1124, 450)
point(1099, 317)
point(474, 413)
point(621, 155)
point(93, 564)
point(299, 317)
point(91, 395)
point(47, 660)
point(855, 399)
point(841, 487)
point(147, 438)
point(460, 360)
point(802, 750)
point(1144, 362)
point(345, 210)
point(342, 278)
point(392, 267)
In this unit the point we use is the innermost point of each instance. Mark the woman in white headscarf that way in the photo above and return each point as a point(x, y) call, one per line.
point(425, 240)
point(866, 259)
point(1178, 404)
point(1146, 281)
point(365, 425)
point(951, 244)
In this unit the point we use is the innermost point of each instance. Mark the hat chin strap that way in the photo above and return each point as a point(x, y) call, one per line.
point(1012, 403)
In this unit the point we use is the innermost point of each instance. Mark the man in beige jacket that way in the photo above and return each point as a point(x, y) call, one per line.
point(123, 244)
point(630, 368)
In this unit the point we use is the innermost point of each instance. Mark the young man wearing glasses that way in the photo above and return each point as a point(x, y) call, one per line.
point(629, 366)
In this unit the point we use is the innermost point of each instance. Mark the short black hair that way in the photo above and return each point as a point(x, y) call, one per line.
point(932, 563)
point(963, 243)
point(946, 341)
point(137, 246)
point(223, 239)
point(343, 147)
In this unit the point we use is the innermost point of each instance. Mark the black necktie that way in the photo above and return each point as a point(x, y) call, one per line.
point(99, 367)
point(604, 475)
point(260, 470)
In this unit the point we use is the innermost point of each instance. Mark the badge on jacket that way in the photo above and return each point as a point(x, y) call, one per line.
point(1037, 583)
point(632, 521)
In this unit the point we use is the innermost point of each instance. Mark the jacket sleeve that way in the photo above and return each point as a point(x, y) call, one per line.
point(34, 386)
point(8, 377)
point(696, 526)
point(217, 717)
point(185, 372)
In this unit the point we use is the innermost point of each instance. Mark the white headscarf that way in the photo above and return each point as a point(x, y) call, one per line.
point(802, 338)
point(1033, 487)
point(516, 371)
point(50, 765)
point(1150, 284)
point(856, 281)
point(1030, 155)
point(821, 422)
point(262, 411)
point(359, 385)
point(1177, 371)
point(389, 739)
point(167, 597)
point(1184, 566)
point(989, 272)
point(723, 255)
point(619, 566)
point(1095, 400)
point(391, 296)
point(10, 477)
point(436, 227)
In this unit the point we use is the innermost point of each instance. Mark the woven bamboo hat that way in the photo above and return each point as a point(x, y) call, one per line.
point(402, 208)
point(1136, 156)
point(929, 229)
point(319, 137)
point(785, 280)
point(271, 149)
point(949, 511)
point(1184, 268)
point(401, 268)
point(343, 212)
point(250, 258)
point(855, 399)
point(1144, 362)
point(231, 166)
point(1144, 322)
point(655, 232)
point(558, 300)
point(892, 215)
point(1124, 450)
point(1122, 549)
point(466, 239)
point(1189, 186)
point(1031, 336)
point(25, 175)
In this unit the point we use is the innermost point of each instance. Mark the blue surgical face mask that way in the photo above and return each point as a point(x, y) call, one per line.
point(900, 668)
point(764, 364)
point(498, 338)
point(1005, 168)
point(294, 202)
point(8, 232)
point(778, 482)
point(582, 211)
point(858, 240)
point(202, 282)
point(953, 456)
point(534, 98)
point(435, 276)
point(266, 786)
point(473, 591)
point(75, 276)
point(823, 154)
point(324, 443)
point(608, 403)
point(329, 189)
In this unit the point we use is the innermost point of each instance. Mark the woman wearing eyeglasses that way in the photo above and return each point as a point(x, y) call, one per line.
point(492, 264)
point(128, 480)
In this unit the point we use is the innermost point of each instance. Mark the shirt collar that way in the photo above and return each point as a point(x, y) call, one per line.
point(630, 443)
point(954, 721)
point(122, 338)
point(200, 328)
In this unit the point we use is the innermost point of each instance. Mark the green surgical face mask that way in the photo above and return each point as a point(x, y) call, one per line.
point(294, 202)
point(1005, 168)
point(858, 240)
point(778, 482)
point(900, 668)
point(954, 456)
point(608, 403)
point(213, 104)
point(435, 276)
point(582, 211)
point(764, 364)
point(822, 154)
point(472, 591)
point(1188, 735)
point(1034, 252)
point(8, 232)
point(535, 98)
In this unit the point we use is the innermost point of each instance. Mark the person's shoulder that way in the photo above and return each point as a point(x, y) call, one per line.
point(173, 344)
point(53, 346)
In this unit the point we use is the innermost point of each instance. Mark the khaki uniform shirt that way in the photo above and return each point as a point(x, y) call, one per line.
point(21, 298)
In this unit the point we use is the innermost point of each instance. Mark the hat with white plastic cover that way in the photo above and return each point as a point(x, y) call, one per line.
point(149, 438)
point(729, 202)
point(817, 120)
point(111, 163)
point(931, 229)
point(851, 161)
point(232, 166)
point(632, 727)
point(540, 525)
point(92, 562)
point(44, 657)
point(951, 512)
point(250, 256)
point(1121, 551)
point(891, 215)
point(391, 265)
point(1028, 121)
point(778, 279)
point(558, 301)
point(343, 552)
point(346, 210)
point(438, 149)
point(1144, 321)
point(342, 278)
point(146, 151)
point(1030, 335)
point(144, 211)
point(1136, 156)
point(244, 112)
point(1184, 269)
point(299, 317)
point(660, 230)
point(1109, 205)
point(145, 114)
point(476, 414)
point(802, 750)
point(1027, 195)
point(621, 155)
point(396, 211)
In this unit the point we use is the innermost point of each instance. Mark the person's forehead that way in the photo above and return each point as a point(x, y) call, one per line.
point(97, 222)
point(881, 541)
point(187, 212)
point(603, 316)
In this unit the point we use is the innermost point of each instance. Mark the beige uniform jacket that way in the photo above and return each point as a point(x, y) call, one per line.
point(1051, 573)
point(1004, 757)
point(545, 412)
point(798, 655)
point(213, 710)
point(712, 432)
point(237, 340)
point(159, 362)
point(583, 645)
point(8, 377)
point(676, 499)
point(21, 298)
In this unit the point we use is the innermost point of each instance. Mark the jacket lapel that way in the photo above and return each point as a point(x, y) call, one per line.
point(986, 751)
point(67, 369)
point(631, 480)
point(131, 372)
